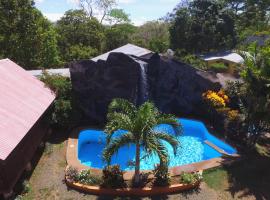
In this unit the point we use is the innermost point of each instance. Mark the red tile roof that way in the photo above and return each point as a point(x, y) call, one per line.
point(23, 99)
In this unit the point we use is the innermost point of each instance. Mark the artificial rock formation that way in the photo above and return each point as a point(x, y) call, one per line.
point(173, 86)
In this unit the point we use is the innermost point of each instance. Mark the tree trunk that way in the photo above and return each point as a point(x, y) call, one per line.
point(137, 164)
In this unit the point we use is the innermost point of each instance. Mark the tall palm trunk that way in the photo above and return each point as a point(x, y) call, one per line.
point(137, 164)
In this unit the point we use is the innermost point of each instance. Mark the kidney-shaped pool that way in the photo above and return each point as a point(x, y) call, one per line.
point(192, 148)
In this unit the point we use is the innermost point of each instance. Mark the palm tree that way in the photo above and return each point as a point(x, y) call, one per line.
point(139, 124)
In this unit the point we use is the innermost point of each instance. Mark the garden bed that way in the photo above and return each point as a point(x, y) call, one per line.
point(146, 191)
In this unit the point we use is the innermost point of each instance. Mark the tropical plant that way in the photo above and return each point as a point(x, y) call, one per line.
point(87, 177)
point(190, 178)
point(139, 124)
point(113, 177)
point(216, 99)
point(252, 95)
point(72, 174)
point(162, 175)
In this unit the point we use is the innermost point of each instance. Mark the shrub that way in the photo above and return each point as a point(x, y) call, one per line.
point(26, 187)
point(190, 178)
point(190, 59)
point(162, 175)
point(113, 177)
point(218, 67)
point(72, 174)
point(86, 177)
point(215, 99)
point(61, 112)
point(142, 181)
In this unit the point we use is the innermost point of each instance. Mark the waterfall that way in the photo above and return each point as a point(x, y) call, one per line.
point(143, 91)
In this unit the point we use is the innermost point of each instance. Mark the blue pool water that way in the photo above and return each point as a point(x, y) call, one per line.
point(192, 147)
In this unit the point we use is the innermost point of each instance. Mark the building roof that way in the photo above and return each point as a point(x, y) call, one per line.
point(259, 39)
point(226, 55)
point(23, 101)
point(129, 49)
point(61, 71)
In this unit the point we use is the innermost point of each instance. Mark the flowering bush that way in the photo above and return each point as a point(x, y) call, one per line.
point(113, 177)
point(233, 115)
point(216, 99)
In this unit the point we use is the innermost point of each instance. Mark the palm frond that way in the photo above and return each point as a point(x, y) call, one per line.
point(117, 121)
point(154, 146)
point(146, 117)
point(167, 138)
point(122, 106)
point(171, 120)
point(115, 144)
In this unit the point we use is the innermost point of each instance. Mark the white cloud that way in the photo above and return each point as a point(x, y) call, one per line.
point(53, 16)
point(76, 2)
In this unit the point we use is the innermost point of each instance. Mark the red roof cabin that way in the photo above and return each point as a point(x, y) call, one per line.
point(23, 103)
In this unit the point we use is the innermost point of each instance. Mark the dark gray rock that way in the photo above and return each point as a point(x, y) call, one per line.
point(173, 86)
point(95, 84)
point(177, 87)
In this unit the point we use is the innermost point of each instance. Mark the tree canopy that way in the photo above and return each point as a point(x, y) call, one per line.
point(203, 26)
point(26, 36)
point(153, 35)
point(193, 27)
point(80, 37)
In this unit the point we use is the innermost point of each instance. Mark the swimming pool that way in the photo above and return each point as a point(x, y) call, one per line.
point(192, 147)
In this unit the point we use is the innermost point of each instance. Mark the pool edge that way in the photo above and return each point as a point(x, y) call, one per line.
point(72, 159)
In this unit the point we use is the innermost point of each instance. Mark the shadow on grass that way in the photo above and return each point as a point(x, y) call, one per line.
point(250, 177)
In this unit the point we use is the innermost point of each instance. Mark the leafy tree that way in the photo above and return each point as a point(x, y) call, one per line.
point(153, 35)
point(118, 35)
point(49, 53)
point(118, 16)
point(77, 52)
point(203, 26)
point(26, 35)
point(95, 7)
point(250, 15)
point(79, 36)
point(253, 94)
point(139, 123)
point(61, 113)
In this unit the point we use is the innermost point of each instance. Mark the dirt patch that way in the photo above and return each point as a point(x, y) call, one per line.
point(245, 180)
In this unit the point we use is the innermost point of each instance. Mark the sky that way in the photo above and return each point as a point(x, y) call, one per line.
point(139, 11)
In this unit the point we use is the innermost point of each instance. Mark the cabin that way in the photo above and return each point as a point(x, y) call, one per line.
point(232, 60)
point(24, 102)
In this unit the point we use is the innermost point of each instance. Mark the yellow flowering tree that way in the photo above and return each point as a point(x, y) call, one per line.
point(216, 99)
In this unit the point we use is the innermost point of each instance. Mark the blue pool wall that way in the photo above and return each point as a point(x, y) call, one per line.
point(190, 128)
point(195, 128)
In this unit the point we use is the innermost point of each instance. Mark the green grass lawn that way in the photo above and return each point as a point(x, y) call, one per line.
point(216, 178)
point(249, 177)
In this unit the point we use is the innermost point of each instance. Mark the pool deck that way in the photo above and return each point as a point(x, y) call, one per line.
point(72, 159)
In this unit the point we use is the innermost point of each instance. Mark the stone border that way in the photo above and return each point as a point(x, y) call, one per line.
point(72, 160)
point(139, 192)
